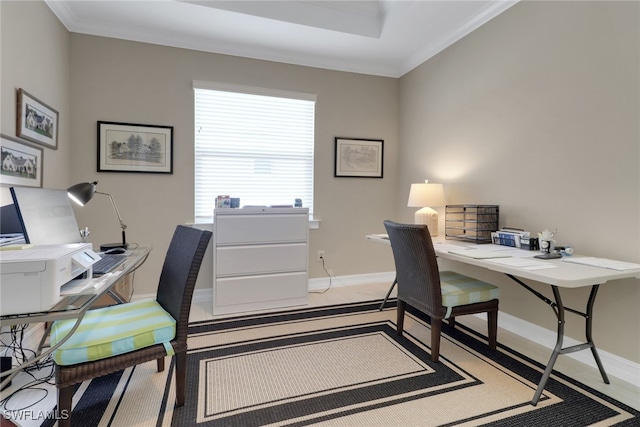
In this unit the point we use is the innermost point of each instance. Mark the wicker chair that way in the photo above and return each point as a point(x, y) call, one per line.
point(440, 295)
point(175, 291)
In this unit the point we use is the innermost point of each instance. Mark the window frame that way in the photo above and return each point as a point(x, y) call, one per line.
point(259, 91)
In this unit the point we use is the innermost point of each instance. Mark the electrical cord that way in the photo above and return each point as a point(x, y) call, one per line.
point(330, 279)
point(14, 343)
point(31, 385)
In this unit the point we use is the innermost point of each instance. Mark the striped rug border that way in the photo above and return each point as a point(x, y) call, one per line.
point(99, 400)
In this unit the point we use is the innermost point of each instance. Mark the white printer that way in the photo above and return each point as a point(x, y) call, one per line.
point(31, 278)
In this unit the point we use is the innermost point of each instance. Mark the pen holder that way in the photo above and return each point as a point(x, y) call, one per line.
point(85, 234)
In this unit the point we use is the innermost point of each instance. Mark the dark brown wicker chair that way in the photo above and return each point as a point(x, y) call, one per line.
point(424, 287)
point(175, 291)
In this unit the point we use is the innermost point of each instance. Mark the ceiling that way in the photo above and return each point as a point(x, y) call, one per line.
point(385, 38)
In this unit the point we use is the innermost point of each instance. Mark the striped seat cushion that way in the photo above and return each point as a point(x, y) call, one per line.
point(460, 290)
point(114, 330)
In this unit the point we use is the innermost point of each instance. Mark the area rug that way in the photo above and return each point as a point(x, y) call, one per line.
point(343, 366)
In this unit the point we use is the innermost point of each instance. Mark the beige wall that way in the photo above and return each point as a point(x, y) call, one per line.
point(121, 81)
point(34, 49)
point(538, 111)
point(93, 78)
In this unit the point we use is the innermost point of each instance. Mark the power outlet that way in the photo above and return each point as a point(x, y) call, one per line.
point(320, 256)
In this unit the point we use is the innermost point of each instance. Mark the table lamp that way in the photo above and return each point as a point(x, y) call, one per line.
point(81, 194)
point(423, 196)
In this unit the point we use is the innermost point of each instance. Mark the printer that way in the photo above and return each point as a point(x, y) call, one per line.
point(31, 278)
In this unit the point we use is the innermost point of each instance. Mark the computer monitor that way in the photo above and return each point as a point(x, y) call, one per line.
point(46, 216)
point(9, 221)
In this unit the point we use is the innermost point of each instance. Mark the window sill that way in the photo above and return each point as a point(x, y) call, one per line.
point(314, 224)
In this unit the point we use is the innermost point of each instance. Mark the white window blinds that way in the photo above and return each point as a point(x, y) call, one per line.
point(254, 144)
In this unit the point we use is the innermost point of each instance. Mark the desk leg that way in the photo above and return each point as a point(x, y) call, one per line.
point(557, 349)
point(592, 299)
point(560, 310)
point(116, 296)
point(395, 282)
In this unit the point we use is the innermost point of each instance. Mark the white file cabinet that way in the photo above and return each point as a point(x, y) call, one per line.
point(260, 258)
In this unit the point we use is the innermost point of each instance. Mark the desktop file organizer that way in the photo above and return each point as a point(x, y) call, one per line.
point(471, 223)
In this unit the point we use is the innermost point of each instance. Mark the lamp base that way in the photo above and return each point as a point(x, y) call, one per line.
point(429, 217)
point(106, 246)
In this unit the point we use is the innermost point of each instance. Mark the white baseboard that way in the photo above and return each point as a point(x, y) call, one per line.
point(353, 280)
point(616, 366)
point(206, 295)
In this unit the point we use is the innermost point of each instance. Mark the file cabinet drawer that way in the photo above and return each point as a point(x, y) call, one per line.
point(241, 260)
point(261, 289)
point(247, 229)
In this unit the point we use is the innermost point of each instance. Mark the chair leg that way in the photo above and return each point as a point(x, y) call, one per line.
point(160, 364)
point(492, 320)
point(65, 397)
point(400, 316)
point(181, 377)
point(436, 329)
point(452, 321)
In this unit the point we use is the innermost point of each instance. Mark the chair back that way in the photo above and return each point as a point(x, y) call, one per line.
point(416, 267)
point(179, 274)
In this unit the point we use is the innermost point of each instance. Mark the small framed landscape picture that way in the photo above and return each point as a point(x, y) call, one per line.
point(37, 122)
point(126, 147)
point(21, 163)
point(358, 157)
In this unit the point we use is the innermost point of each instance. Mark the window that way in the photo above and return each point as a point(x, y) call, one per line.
point(252, 143)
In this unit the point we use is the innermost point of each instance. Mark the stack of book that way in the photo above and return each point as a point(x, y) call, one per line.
point(511, 237)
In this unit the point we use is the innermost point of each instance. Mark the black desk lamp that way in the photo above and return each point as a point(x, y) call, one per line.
point(82, 193)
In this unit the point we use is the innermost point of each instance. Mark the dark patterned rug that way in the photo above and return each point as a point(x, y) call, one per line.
point(343, 366)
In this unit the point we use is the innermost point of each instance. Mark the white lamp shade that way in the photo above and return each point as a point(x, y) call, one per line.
point(423, 195)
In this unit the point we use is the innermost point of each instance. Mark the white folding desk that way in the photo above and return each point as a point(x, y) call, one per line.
point(73, 306)
point(561, 274)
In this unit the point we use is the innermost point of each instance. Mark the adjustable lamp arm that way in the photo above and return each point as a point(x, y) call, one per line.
point(115, 207)
point(83, 192)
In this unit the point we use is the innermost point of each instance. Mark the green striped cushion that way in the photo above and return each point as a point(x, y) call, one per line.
point(114, 330)
point(460, 290)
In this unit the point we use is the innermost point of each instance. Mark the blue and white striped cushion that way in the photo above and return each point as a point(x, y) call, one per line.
point(114, 330)
point(460, 290)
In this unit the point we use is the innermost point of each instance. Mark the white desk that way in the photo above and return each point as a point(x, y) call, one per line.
point(559, 274)
point(72, 307)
